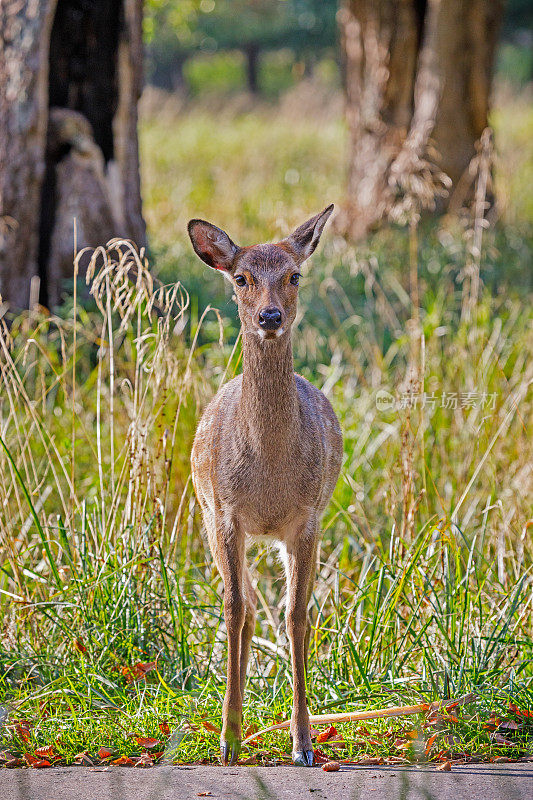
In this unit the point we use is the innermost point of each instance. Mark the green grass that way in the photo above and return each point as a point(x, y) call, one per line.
point(424, 586)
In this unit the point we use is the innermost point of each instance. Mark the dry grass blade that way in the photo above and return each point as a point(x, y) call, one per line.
point(358, 716)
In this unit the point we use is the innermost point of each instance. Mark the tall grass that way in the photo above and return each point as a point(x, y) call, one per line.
point(424, 584)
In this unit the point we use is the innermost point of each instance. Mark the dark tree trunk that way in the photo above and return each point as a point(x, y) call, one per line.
point(252, 67)
point(72, 74)
point(418, 76)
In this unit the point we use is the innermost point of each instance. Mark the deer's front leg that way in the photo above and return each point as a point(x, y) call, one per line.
point(230, 561)
point(300, 566)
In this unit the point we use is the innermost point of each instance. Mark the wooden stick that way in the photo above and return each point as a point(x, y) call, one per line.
point(356, 716)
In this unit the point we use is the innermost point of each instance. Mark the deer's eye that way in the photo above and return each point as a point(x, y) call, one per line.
point(240, 280)
point(295, 279)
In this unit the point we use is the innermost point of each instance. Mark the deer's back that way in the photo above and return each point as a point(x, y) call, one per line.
point(266, 486)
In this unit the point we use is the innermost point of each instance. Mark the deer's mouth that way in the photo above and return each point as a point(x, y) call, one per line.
point(268, 335)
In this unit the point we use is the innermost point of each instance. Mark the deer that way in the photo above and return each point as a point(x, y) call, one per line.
point(265, 460)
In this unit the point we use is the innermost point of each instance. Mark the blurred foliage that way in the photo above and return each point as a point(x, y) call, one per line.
point(177, 32)
point(196, 32)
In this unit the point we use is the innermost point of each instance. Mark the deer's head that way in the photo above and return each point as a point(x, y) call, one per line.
point(265, 277)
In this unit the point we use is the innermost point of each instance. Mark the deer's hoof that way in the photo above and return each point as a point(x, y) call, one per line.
point(303, 758)
point(229, 752)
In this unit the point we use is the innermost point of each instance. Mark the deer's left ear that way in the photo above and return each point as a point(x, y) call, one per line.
point(303, 240)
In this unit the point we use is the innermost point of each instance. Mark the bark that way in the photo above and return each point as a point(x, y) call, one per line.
point(252, 67)
point(72, 72)
point(418, 77)
point(25, 33)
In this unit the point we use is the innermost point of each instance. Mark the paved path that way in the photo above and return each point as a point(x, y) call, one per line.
point(472, 782)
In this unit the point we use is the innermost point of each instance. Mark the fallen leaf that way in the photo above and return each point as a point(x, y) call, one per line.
point(83, 758)
point(429, 743)
point(15, 762)
point(501, 740)
point(128, 674)
point(144, 761)
point(411, 734)
point(510, 725)
point(402, 744)
point(45, 752)
point(36, 763)
point(140, 669)
point(331, 766)
point(146, 741)
point(210, 727)
point(23, 731)
point(320, 757)
point(330, 733)
point(520, 711)
point(444, 767)
point(123, 761)
point(105, 752)
point(79, 646)
point(164, 728)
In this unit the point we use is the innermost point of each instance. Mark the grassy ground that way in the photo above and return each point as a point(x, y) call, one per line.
point(111, 607)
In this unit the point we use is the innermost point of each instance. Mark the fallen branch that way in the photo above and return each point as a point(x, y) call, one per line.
point(357, 716)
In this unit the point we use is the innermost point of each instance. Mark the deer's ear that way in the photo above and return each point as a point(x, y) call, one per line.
point(212, 244)
point(303, 240)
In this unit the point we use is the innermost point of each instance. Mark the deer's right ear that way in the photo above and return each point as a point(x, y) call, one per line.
point(212, 244)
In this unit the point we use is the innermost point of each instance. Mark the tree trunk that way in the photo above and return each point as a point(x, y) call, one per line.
point(72, 74)
point(252, 67)
point(418, 77)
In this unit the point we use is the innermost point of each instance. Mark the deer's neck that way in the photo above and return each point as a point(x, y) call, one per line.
point(269, 401)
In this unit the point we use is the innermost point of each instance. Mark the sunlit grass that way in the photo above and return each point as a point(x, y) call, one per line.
point(424, 584)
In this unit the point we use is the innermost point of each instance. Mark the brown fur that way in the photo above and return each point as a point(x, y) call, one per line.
point(265, 461)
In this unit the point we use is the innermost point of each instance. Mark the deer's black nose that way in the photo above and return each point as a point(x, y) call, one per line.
point(270, 318)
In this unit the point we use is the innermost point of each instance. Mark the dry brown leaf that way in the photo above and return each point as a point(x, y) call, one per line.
point(330, 733)
point(45, 752)
point(36, 763)
point(213, 728)
point(123, 761)
point(444, 767)
point(83, 757)
point(144, 761)
point(146, 741)
point(331, 766)
point(501, 740)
